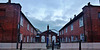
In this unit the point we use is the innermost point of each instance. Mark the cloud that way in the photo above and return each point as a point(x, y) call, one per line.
point(56, 13)
point(42, 25)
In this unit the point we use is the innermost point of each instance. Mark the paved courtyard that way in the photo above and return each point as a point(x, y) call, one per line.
point(49, 49)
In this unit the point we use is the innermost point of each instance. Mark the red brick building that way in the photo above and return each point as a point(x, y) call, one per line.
point(85, 26)
point(48, 34)
point(14, 25)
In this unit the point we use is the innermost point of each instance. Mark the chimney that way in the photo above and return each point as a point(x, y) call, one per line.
point(70, 19)
point(89, 4)
point(75, 15)
point(9, 1)
point(47, 27)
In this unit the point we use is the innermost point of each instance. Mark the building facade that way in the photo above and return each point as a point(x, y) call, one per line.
point(48, 35)
point(14, 26)
point(85, 26)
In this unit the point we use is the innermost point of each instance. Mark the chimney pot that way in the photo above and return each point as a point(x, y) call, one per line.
point(9, 1)
point(75, 15)
point(70, 19)
point(89, 4)
point(47, 27)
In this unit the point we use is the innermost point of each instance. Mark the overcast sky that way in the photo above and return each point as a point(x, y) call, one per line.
point(56, 13)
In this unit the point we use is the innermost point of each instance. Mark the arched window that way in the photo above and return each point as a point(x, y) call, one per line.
point(43, 39)
point(54, 38)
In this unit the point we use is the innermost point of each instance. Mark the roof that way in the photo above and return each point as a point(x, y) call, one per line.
point(73, 20)
point(91, 6)
point(21, 13)
point(12, 4)
point(47, 31)
point(79, 15)
point(28, 21)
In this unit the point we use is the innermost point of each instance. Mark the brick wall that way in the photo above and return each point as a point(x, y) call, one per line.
point(92, 23)
point(91, 28)
point(10, 15)
point(9, 21)
point(25, 32)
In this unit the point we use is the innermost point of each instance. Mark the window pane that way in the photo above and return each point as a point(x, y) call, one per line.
point(71, 26)
point(99, 15)
point(72, 38)
point(81, 22)
point(27, 26)
point(66, 29)
point(21, 21)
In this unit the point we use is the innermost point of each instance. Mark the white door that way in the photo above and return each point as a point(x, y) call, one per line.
point(54, 38)
point(43, 39)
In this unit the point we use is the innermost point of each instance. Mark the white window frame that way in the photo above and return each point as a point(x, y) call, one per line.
point(71, 27)
point(24, 39)
point(66, 39)
point(21, 21)
point(31, 39)
point(62, 31)
point(21, 37)
point(32, 30)
point(82, 36)
point(76, 38)
point(69, 39)
point(66, 29)
point(27, 38)
point(72, 38)
point(81, 22)
point(54, 38)
point(27, 26)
